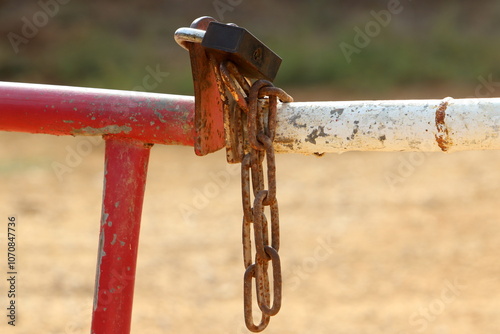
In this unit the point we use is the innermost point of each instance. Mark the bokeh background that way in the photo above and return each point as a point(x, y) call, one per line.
point(392, 243)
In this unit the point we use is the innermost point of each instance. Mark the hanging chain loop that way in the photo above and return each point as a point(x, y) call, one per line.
point(256, 130)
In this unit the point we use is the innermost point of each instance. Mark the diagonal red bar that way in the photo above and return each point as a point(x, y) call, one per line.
point(126, 163)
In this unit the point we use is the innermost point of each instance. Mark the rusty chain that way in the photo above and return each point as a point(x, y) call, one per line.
point(256, 131)
point(249, 106)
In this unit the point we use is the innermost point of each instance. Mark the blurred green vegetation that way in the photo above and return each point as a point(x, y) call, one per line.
point(110, 44)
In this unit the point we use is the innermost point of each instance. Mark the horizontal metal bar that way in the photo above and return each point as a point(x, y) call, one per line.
point(408, 125)
point(303, 127)
point(61, 110)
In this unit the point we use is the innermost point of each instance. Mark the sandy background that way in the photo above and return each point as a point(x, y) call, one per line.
point(394, 243)
point(371, 242)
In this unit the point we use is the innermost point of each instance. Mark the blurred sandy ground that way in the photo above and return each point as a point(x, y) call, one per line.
point(359, 255)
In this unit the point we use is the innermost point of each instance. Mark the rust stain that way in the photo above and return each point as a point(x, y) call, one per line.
point(443, 137)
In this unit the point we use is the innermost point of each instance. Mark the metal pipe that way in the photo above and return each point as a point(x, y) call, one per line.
point(126, 163)
point(61, 110)
point(303, 127)
point(408, 125)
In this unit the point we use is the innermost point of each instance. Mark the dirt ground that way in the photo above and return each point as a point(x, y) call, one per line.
point(393, 243)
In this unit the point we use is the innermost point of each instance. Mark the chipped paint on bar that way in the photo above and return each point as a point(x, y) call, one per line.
point(406, 125)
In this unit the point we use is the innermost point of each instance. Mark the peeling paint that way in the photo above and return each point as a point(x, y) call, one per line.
point(355, 129)
point(105, 216)
point(337, 112)
point(109, 129)
point(160, 117)
point(293, 121)
point(319, 132)
point(114, 239)
point(101, 253)
point(448, 125)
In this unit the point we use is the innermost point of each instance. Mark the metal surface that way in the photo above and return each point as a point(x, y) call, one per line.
point(249, 139)
point(447, 125)
point(219, 43)
point(130, 119)
point(188, 35)
point(209, 124)
point(126, 163)
point(253, 58)
point(61, 110)
point(238, 88)
point(302, 127)
point(259, 145)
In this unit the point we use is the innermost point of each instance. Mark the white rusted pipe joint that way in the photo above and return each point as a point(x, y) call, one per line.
point(406, 125)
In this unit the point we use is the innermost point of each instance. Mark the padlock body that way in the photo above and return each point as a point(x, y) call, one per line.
point(253, 58)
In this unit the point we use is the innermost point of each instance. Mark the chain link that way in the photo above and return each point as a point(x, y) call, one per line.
point(258, 130)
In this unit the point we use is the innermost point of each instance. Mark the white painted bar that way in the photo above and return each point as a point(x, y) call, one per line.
point(406, 125)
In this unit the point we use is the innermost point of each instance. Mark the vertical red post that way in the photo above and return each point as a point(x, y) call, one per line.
point(126, 163)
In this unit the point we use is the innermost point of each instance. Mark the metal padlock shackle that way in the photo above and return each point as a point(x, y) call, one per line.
point(220, 53)
point(191, 35)
point(188, 35)
point(228, 40)
point(210, 42)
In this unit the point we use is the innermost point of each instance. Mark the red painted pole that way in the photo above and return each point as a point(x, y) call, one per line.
point(62, 110)
point(126, 162)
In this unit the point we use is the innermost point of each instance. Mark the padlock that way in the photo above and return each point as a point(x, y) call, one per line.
point(253, 58)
